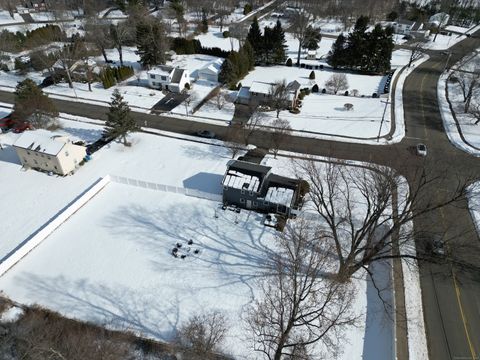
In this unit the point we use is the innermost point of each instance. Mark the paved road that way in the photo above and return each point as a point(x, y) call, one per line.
point(451, 294)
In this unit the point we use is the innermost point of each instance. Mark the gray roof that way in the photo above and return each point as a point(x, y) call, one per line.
point(293, 86)
point(248, 166)
point(177, 75)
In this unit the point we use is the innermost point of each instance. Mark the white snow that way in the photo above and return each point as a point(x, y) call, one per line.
point(5, 18)
point(466, 122)
point(365, 84)
point(12, 314)
point(214, 38)
point(474, 203)
point(443, 42)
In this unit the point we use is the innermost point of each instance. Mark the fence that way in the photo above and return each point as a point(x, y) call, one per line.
point(35, 239)
point(167, 188)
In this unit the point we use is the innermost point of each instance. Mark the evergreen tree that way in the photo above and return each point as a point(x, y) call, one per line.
point(151, 42)
point(357, 48)
point(254, 37)
point(33, 105)
point(337, 56)
point(268, 43)
point(227, 72)
point(312, 38)
point(204, 25)
point(119, 120)
point(248, 49)
point(279, 44)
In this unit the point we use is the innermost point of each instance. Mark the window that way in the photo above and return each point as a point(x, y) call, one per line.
point(242, 201)
point(251, 193)
point(243, 192)
point(152, 76)
point(42, 155)
point(28, 152)
point(164, 78)
point(66, 153)
point(55, 168)
point(25, 160)
point(266, 203)
point(49, 158)
point(255, 204)
point(36, 162)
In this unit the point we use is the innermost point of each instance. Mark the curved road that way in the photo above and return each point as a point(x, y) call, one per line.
point(451, 293)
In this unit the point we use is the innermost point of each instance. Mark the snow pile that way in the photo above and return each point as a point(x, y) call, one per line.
point(12, 314)
point(463, 133)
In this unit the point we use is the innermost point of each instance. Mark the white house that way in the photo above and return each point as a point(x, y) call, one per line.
point(41, 150)
point(403, 26)
point(210, 71)
point(261, 93)
point(168, 78)
point(311, 55)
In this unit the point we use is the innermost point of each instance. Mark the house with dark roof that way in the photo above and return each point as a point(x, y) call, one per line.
point(254, 187)
point(260, 93)
point(165, 77)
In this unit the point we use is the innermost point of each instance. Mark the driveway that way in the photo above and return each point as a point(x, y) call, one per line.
point(169, 102)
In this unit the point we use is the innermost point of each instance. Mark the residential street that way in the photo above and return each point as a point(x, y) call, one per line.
point(451, 292)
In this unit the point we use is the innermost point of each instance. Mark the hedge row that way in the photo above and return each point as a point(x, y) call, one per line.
point(112, 75)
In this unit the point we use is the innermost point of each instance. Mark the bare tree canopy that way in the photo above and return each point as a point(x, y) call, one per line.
point(299, 307)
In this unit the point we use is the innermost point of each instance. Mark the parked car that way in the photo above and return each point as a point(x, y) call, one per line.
point(421, 150)
point(5, 124)
point(21, 127)
point(206, 134)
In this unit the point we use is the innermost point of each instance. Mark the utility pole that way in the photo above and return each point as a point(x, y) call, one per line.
point(383, 118)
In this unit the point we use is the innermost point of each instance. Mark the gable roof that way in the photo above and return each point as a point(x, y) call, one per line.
point(248, 166)
point(177, 75)
point(41, 141)
point(260, 87)
point(161, 70)
point(213, 67)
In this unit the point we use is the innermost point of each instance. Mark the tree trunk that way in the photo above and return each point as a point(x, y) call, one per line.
point(89, 85)
point(104, 53)
point(299, 52)
point(120, 55)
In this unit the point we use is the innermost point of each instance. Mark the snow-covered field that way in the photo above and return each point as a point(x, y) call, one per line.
point(214, 38)
point(466, 122)
point(366, 85)
point(110, 263)
point(326, 114)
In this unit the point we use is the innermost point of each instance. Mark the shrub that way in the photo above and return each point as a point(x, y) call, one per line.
point(374, 95)
point(301, 95)
point(239, 86)
point(312, 75)
point(324, 91)
point(110, 76)
point(187, 86)
point(226, 34)
point(315, 88)
point(295, 111)
point(346, 93)
point(289, 62)
point(321, 67)
point(247, 8)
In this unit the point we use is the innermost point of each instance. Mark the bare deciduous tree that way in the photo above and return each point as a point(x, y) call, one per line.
point(298, 306)
point(203, 335)
point(356, 205)
point(416, 53)
point(301, 20)
point(188, 101)
point(220, 99)
point(475, 111)
point(337, 82)
point(278, 96)
point(97, 32)
point(120, 33)
point(468, 82)
point(232, 141)
point(279, 134)
point(256, 121)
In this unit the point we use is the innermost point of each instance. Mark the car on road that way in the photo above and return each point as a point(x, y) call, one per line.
point(206, 134)
point(421, 150)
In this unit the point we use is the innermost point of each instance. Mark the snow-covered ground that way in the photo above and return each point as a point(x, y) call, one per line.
point(214, 38)
point(474, 203)
point(324, 113)
point(365, 84)
point(119, 272)
point(466, 123)
point(5, 18)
